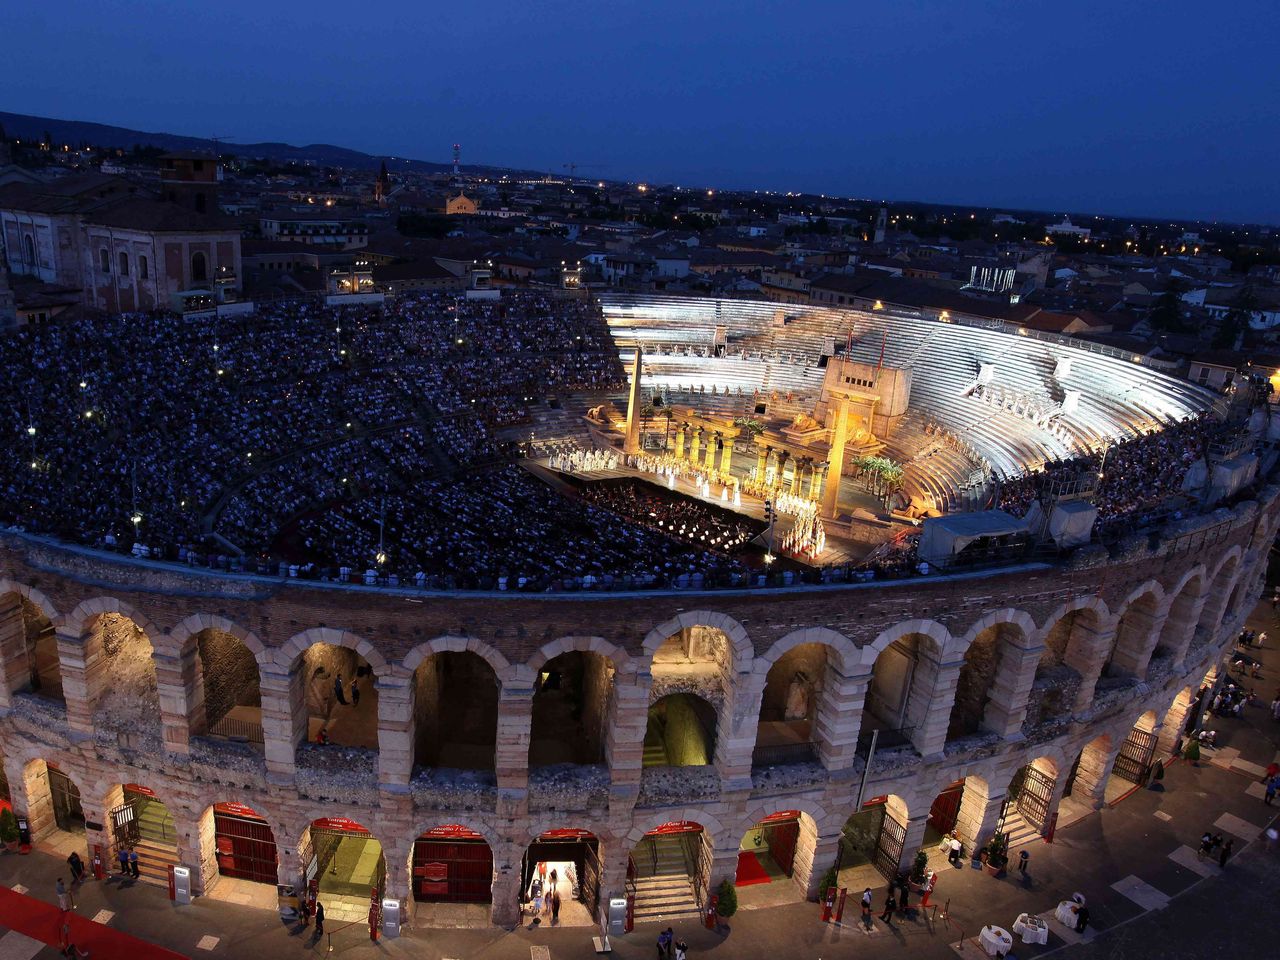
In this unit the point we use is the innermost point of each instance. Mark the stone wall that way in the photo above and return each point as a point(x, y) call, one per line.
point(230, 675)
point(809, 659)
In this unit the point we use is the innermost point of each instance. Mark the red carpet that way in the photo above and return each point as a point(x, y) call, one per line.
point(750, 870)
point(40, 921)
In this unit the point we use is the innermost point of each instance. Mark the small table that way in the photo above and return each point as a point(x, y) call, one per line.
point(1066, 913)
point(1031, 928)
point(995, 941)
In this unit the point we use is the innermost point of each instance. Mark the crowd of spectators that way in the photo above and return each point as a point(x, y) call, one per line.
point(157, 429)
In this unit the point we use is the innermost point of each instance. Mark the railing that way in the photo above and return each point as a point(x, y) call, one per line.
point(783, 754)
point(697, 871)
point(233, 728)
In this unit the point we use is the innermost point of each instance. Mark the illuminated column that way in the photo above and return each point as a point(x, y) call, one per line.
point(711, 451)
point(726, 456)
point(632, 442)
point(839, 436)
point(695, 445)
point(680, 442)
point(762, 458)
point(819, 475)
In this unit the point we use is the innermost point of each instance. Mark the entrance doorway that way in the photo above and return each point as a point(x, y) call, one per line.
point(452, 864)
point(56, 798)
point(766, 861)
point(1133, 763)
point(345, 867)
point(564, 862)
point(667, 873)
point(244, 844)
point(874, 837)
point(943, 814)
point(141, 823)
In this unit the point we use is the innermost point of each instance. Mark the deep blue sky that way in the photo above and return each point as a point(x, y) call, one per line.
point(1148, 108)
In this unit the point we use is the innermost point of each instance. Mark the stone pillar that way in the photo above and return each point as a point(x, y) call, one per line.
point(624, 735)
point(818, 485)
point(815, 855)
point(914, 841)
point(835, 457)
point(839, 719)
point(762, 462)
point(1175, 721)
point(397, 849)
point(631, 443)
point(980, 806)
point(726, 456)
point(15, 671)
point(29, 791)
point(515, 729)
point(284, 719)
point(395, 733)
point(1010, 691)
point(615, 853)
point(724, 860)
point(189, 830)
point(1087, 655)
point(930, 719)
point(1135, 644)
point(505, 909)
point(711, 452)
point(1091, 776)
point(679, 452)
point(736, 738)
point(76, 679)
point(175, 695)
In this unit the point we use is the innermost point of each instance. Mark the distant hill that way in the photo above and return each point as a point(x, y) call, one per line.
point(24, 126)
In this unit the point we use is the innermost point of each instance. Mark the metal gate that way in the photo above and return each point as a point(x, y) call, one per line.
point(65, 795)
point(245, 847)
point(946, 808)
point(1134, 761)
point(893, 837)
point(590, 880)
point(124, 826)
point(1034, 797)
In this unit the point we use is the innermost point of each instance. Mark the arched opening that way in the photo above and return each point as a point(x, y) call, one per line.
point(140, 823)
point(680, 732)
point(238, 849)
point(1127, 661)
point(1180, 721)
point(1133, 763)
point(1028, 804)
point(975, 686)
point(694, 650)
point(124, 264)
point(564, 866)
point(144, 268)
point(944, 814)
point(228, 700)
point(40, 673)
point(53, 805)
point(669, 871)
point(341, 696)
point(789, 706)
point(121, 676)
point(1053, 693)
point(900, 691)
point(452, 872)
point(570, 707)
point(775, 859)
point(199, 267)
point(104, 260)
point(872, 842)
point(343, 867)
point(964, 810)
point(455, 712)
point(30, 245)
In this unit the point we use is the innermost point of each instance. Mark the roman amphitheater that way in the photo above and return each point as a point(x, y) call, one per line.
point(266, 712)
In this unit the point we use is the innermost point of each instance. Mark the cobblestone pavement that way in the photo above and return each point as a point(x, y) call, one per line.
point(1135, 862)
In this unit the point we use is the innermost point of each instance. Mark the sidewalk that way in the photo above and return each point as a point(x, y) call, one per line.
point(1129, 860)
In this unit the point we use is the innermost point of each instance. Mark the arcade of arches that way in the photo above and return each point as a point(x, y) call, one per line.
point(487, 770)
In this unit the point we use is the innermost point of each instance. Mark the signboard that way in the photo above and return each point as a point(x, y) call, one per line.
point(138, 788)
point(450, 831)
point(781, 816)
point(567, 835)
point(238, 810)
point(675, 826)
point(338, 823)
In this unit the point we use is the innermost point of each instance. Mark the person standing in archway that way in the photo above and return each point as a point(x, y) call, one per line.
point(339, 690)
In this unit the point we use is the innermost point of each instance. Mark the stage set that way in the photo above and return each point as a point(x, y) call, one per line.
point(825, 509)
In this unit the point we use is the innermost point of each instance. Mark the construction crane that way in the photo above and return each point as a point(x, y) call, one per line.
point(573, 167)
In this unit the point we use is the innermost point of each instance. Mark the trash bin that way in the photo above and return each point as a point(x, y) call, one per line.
point(24, 831)
point(181, 884)
point(390, 918)
point(617, 916)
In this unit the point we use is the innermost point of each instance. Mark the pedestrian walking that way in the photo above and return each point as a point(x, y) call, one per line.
point(1206, 845)
point(123, 857)
point(1082, 918)
point(339, 691)
point(1225, 854)
point(355, 693)
point(319, 919)
point(304, 911)
point(133, 863)
point(889, 906)
point(555, 907)
point(77, 869)
point(954, 856)
point(665, 939)
point(1023, 857)
point(682, 949)
point(1269, 793)
point(930, 880)
point(64, 898)
point(866, 914)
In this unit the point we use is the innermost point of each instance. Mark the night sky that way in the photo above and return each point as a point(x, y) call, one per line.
point(1143, 108)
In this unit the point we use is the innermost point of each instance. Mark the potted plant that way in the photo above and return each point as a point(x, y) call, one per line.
point(8, 829)
point(727, 899)
point(997, 855)
point(1192, 753)
point(918, 869)
point(829, 879)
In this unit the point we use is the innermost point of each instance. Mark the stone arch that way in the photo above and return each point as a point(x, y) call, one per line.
point(115, 683)
point(682, 730)
point(32, 596)
point(582, 644)
point(51, 803)
point(573, 700)
point(29, 659)
point(458, 644)
point(1220, 590)
point(796, 848)
point(291, 653)
point(795, 691)
point(1069, 638)
point(906, 664)
point(178, 639)
point(939, 635)
point(221, 675)
point(710, 824)
point(1138, 622)
point(847, 654)
point(990, 695)
point(739, 643)
point(75, 623)
point(1185, 600)
point(249, 837)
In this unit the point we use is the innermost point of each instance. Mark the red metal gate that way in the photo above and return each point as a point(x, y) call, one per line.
point(245, 845)
point(946, 808)
point(452, 864)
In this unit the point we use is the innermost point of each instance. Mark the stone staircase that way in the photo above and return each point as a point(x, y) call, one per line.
point(1018, 830)
point(663, 888)
point(155, 846)
point(655, 751)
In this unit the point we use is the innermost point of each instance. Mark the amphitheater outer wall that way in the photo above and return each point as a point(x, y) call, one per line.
point(1164, 606)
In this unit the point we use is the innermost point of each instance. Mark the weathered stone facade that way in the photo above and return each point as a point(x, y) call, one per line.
point(1037, 665)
